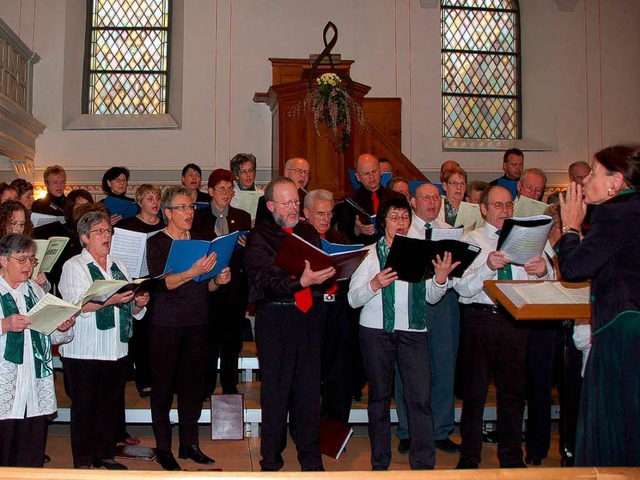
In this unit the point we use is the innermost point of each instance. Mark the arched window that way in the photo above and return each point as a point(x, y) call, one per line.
point(126, 68)
point(480, 69)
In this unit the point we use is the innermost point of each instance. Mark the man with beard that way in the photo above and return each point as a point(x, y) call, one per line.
point(288, 325)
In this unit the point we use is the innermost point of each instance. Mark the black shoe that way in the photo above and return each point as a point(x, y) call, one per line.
point(519, 464)
point(533, 460)
point(319, 468)
point(447, 445)
point(109, 464)
point(47, 458)
point(466, 465)
point(379, 469)
point(270, 469)
point(404, 446)
point(145, 392)
point(167, 461)
point(194, 453)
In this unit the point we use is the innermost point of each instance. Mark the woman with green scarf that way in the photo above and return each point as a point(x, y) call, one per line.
point(95, 363)
point(393, 330)
point(26, 369)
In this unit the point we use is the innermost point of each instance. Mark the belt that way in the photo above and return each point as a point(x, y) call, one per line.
point(484, 307)
point(285, 303)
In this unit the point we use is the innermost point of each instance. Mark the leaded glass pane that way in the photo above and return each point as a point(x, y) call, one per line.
point(128, 57)
point(476, 117)
point(498, 4)
point(129, 50)
point(127, 93)
point(473, 73)
point(480, 69)
point(131, 13)
point(478, 30)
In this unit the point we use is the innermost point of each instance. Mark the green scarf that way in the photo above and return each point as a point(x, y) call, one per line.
point(41, 344)
point(105, 317)
point(416, 298)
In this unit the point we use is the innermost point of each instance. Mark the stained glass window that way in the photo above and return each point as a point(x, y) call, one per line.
point(480, 69)
point(127, 57)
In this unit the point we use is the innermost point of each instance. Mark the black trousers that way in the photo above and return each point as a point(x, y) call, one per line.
point(139, 352)
point(178, 363)
point(22, 442)
point(96, 388)
point(226, 324)
point(289, 348)
point(493, 344)
point(410, 350)
point(337, 372)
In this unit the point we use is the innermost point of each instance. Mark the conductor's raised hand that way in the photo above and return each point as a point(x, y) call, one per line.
point(572, 207)
point(15, 323)
point(309, 277)
point(383, 279)
point(443, 267)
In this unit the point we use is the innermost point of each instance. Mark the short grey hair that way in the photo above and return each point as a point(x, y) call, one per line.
point(89, 220)
point(16, 242)
point(535, 171)
point(169, 196)
point(236, 162)
point(318, 194)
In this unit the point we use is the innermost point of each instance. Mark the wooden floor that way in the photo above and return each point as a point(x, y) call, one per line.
point(244, 455)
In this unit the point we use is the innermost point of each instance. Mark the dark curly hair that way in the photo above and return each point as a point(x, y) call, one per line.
point(7, 209)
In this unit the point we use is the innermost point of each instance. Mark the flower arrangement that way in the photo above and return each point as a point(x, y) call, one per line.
point(330, 103)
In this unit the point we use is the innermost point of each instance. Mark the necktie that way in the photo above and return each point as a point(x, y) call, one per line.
point(222, 226)
point(303, 298)
point(427, 231)
point(505, 273)
point(375, 202)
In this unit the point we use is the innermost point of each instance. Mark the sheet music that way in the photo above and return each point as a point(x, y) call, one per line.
point(247, 200)
point(469, 215)
point(446, 233)
point(131, 248)
point(524, 243)
point(552, 293)
point(526, 207)
point(50, 312)
point(39, 219)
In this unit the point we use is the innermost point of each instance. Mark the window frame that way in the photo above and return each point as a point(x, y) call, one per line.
point(517, 54)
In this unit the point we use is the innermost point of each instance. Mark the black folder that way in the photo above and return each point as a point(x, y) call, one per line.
point(411, 258)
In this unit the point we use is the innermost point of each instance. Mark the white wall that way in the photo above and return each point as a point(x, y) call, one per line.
point(580, 81)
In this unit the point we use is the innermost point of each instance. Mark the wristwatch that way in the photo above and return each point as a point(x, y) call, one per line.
point(568, 229)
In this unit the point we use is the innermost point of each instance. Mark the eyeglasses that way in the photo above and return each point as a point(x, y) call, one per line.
point(248, 170)
point(501, 205)
point(371, 173)
point(22, 260)
point(457, 184)
point(288, 204)
point(323, 214)
point(102, 231)
point(398, 218)
point(119, 180)
point(426, 198)
point(17, 224)
point(224, 189)
point(299, 171)
point(530, 188)
point(183, 208)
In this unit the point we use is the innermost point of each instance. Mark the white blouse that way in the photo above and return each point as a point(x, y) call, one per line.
point(89, 342)
point(21, 393)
